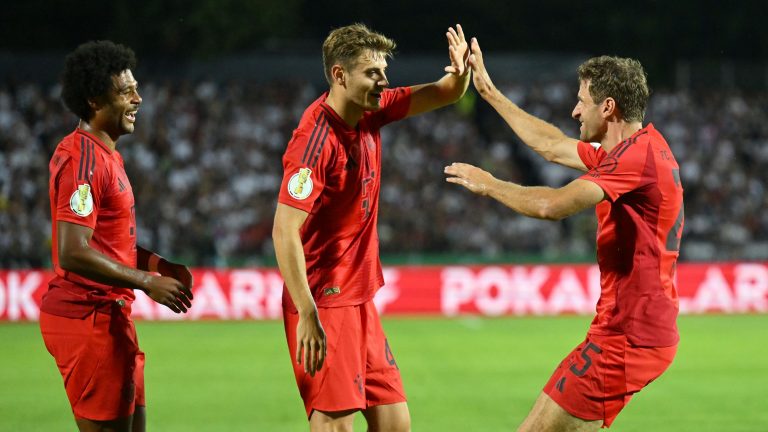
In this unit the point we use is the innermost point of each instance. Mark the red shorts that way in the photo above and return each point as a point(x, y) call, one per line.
point(100, 361)
point(598, 378)
point(359, 370)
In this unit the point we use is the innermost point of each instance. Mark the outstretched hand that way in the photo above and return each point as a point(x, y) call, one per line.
point(469, 176)
point(480, 77)
point(170, 293)
point(458, 51)
point(183, 293)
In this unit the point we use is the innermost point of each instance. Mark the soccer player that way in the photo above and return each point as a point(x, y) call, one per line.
point(633, 180)
point(85, 314)
point(325, 230)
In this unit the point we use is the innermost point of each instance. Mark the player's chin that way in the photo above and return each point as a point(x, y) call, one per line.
point(127, 128)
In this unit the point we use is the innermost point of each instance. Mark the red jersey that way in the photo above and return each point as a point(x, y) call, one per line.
point(638, 239)
point(88, 186)
point(332, 171)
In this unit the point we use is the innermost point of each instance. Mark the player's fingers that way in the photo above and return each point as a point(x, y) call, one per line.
point(180, 305)
point(453, 37)
point(299, 347)
point(310, 358)
point(460, 31)
point(184, 296)
point(171, 306)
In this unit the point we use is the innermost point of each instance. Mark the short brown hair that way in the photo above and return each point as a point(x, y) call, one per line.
point(622, 79)
point(345, 44)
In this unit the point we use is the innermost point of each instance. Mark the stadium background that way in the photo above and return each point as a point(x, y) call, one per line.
point(223, 84)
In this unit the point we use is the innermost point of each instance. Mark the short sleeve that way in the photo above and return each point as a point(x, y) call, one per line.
point(590, 153)
point(305, 164)
point(78, 195)
point(395, 104)
point(619, 171)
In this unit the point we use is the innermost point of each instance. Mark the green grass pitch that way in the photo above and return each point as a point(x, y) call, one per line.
point(463, 374)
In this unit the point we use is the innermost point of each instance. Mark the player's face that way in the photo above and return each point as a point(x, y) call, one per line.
point(588, 113)
point(366, 80)
point(118, 115)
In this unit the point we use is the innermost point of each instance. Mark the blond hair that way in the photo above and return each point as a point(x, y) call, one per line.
point(622, 79)
point(345, 45)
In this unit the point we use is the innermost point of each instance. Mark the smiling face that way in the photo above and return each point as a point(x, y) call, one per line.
point(590, 115)
point(365, 80)
point(116, 114)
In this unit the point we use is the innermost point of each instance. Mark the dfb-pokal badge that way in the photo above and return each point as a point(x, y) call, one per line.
point(82, 201)
point(300, 184)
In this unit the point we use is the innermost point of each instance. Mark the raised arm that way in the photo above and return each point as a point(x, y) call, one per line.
point(77, 256)
point(538, 202)
point(310, 336)
point(544, 138)
point(451, 87)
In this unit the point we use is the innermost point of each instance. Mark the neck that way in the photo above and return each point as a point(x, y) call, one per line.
point(618, 132)
point(347, 110)
point(99, 133)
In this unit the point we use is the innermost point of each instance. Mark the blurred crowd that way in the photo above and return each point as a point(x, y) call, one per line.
point(205, 166)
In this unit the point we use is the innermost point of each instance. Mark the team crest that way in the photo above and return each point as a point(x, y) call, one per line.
point(300, 184)
point(81, 201)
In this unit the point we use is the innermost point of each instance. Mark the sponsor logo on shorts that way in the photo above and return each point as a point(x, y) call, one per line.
point(388, 354)
point(560, 384)
point(359, 383)
point(300, 184)
point(332, 291)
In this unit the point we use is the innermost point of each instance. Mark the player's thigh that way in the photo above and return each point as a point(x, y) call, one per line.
point(385, 418)
point(547, 416)
point(332, 421)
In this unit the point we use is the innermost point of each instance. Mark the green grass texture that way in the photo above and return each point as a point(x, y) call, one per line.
point(461, 374)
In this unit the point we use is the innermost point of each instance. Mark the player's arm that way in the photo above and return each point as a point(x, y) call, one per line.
point(539, 202)
point(152, 262)
point(76, 256)
point(544, 138)
point(310, 336)
point(451, 87)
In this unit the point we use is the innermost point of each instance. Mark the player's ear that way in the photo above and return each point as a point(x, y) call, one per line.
point(337, 73)
point(609, 107)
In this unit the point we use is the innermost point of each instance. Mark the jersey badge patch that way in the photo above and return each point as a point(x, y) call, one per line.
point(81, 201)
point(300, 184)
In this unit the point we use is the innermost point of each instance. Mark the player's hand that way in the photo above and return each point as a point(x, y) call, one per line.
point(480, 77)
point(469, 176)
point(169, 292)
point(310, 343)
point(179, 272)
point(458, 51)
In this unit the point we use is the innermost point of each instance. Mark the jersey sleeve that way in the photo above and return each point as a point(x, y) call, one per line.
point(395, 104)
point(619, 171)
point(305, 165)
point(78, 183)
point(590, 154)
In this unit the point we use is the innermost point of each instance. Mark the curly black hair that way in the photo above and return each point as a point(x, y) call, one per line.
point(88, 72)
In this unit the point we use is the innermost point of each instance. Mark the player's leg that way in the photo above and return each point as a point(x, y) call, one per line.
point(139, 423)
point(140, 410)
point(335, 392)
point(96, 358)
point(391, 417)
point(547, 416)
point(387, 409)
point(332, 421)
point(119, 425)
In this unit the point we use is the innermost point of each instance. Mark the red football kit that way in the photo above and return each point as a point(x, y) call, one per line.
point(634, 336)
point(332, 171)
point(86, 325)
